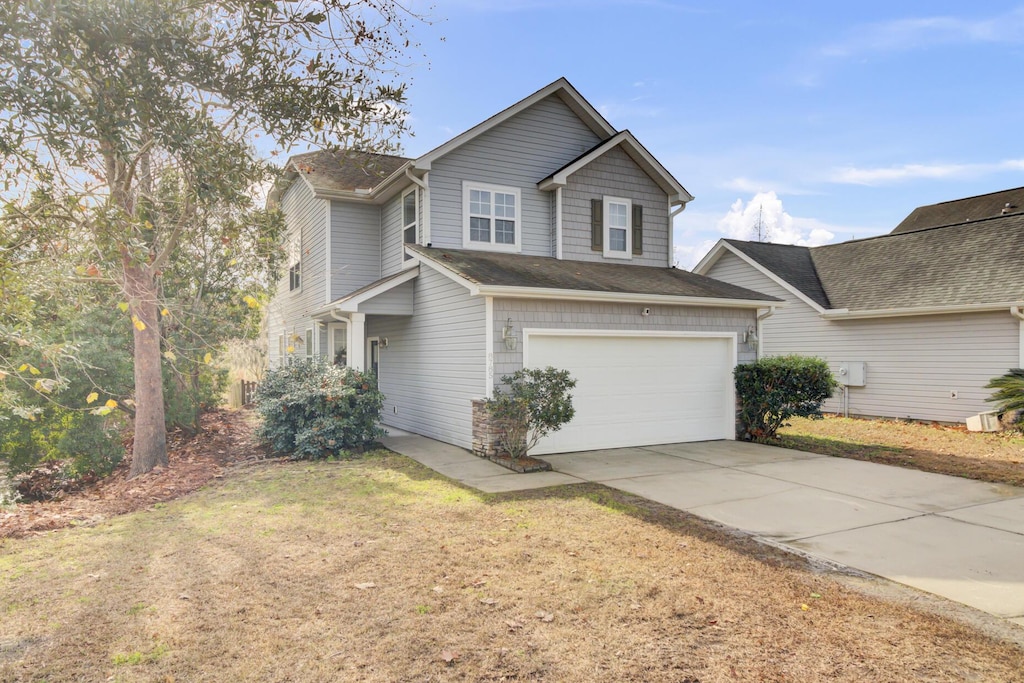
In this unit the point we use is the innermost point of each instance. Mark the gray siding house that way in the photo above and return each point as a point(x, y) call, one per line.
point(542, 236)
point(930, 312)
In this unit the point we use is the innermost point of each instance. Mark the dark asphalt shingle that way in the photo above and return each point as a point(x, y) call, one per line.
point(345, 170)
point(791, 263)
point(963, 210)
point(516, 270)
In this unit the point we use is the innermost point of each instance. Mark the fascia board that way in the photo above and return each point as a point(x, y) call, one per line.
point(620, 297)
point(846, 314)
point(708, 261)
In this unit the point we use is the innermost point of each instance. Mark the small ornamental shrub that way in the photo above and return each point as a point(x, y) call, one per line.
point(313, 410)
point(1009, 394)
point(772, 390)
point(531, 404)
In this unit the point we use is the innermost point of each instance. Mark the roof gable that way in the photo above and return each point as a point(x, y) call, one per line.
point(637, 152)
point(338, 172)
point(560, 88)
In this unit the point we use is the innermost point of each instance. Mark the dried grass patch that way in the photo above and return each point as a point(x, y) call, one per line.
point(380, 570)
point(994, 457)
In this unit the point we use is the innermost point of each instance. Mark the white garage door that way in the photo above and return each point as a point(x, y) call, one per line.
point(639, 390)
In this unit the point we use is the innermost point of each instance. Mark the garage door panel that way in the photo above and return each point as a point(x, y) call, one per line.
point(636, 390)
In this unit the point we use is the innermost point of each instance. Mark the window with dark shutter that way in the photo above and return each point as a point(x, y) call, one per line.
point(638, 230)
point(597, 224)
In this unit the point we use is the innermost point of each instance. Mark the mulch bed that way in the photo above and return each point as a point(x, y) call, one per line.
point(225, 440)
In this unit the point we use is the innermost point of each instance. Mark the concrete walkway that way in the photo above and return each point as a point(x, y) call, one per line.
point(961, 539)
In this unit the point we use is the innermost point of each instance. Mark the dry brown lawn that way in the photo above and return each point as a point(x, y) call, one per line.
point(996, 457)
point(380, 570)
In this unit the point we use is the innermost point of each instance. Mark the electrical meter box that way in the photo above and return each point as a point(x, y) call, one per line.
point(852, 373)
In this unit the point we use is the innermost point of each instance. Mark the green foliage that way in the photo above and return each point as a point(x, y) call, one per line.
point(88, 444)
point(312, 409)
point(774, 389)
point(532, 404)
point(1009, 394)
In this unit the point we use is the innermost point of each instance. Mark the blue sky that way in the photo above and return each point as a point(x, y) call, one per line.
point(833, 119)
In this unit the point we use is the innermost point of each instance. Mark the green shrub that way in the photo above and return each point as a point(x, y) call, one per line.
point(532, 404)
point(772, 390)
point(86, 444)
point(1009, 394)
point(312, 409)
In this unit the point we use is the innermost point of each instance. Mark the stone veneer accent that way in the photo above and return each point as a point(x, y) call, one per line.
point(485, 432)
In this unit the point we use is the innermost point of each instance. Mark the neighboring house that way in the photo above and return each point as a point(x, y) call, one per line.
point(933, 309)
point(542, 236)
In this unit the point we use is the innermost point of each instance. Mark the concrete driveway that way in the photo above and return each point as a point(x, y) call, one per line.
point(954, 537)
point(958, 538)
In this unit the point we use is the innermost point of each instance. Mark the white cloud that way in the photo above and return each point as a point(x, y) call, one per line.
point(893, 174)
point(752, 186)
point(765, 207)
point(921, 32)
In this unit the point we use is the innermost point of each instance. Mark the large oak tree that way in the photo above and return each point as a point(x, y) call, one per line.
point(139, 118)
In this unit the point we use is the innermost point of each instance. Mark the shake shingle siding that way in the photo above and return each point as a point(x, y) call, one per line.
point(355, 247)
point(913, 363)
point(518, 153)
point(434, 364)
point(571, 315)
point(614, 174)
point(290, 311)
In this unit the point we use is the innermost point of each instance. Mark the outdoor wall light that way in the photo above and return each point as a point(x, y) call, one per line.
point(508, 334)
point(750, 337)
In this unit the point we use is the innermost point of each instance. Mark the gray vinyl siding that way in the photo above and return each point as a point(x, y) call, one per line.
point(433, 366)
point(391, 236)
point(913, 363)
point(290, 312)
point(395, 301)
point(355, 247)
point(532, 313)
point(614, 174)
point(519, 153)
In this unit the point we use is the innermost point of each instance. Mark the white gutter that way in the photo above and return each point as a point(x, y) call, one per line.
point(672, 231)
point(760, 331)
point(422, 183)
point(558, 223)
point(614, 297)
point(847, 314)
point(1016, 312)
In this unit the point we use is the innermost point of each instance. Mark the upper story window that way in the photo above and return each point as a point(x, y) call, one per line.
point(618, 233)
point(410, 215)
point(294, 249)
point(491, 217)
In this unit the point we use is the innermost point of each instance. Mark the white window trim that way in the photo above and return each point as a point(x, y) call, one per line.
point(416, 214)
point(310, 343)
point(608, 253)
point(468, 185)
point(333, 330)
point(295, 258)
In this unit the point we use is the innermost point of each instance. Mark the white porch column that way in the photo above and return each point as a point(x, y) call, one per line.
point(357, 341)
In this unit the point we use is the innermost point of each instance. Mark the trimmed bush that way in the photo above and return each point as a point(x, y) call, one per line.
point(313, 410)
point(532, 404)
point(772, 390)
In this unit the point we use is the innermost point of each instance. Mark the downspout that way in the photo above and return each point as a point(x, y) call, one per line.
point(1016, 312)
point(424, 185)
point(671, 233)
point(760, 332)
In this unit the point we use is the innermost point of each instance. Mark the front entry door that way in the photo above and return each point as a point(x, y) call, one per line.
point(373, 355)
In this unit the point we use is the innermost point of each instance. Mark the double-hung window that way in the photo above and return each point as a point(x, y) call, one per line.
point(294, 249)
point(410, 215)
point(491, 217)
point(618, 232)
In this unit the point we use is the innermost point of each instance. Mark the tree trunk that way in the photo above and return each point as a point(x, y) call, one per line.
point(150, 448)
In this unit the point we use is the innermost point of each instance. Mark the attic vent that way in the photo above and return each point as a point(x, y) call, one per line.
point(1006, 209)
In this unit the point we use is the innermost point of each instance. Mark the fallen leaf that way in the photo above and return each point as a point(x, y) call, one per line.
point(488, 601)
point(805, 607)
point(449, 656)
point(437, 589)
point(364, 586)
point(815, 596)
point(513, 625)
point(546, 616)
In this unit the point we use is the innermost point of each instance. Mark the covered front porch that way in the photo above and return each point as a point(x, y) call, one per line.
point(342, 323)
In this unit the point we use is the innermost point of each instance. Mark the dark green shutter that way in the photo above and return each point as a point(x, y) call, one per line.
point(638, 230)
point(597, 224)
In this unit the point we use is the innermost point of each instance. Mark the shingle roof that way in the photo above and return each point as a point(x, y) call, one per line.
point(515, 270)
point(791, 263)
point(963, 210)
point(945, 266)
point(345, 170)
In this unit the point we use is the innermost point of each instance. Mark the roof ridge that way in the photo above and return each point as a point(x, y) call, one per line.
point(977, 196)
point(925, 229)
